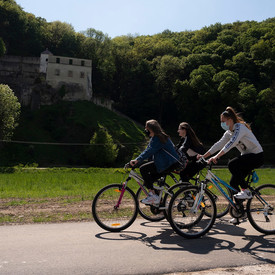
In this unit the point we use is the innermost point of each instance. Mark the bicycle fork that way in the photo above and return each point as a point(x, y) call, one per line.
point(198, 200)
point(122, 190)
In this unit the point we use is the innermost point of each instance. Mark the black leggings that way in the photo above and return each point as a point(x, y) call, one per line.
point(150, 174)
point(241, 166)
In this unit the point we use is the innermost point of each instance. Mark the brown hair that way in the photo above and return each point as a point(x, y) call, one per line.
point(158, 131)
point(190, 133)
point(236, 117)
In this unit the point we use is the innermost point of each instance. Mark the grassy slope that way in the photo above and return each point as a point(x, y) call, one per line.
point(67, 122)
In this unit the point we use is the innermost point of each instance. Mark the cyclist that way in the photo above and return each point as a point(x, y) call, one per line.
point(237, 134)
point(164, 158)
point(191, 146)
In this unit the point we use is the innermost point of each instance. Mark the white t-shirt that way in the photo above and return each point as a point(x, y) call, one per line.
point(242, 138)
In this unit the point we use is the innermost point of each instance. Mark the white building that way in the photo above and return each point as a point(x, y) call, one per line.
point(73, 75)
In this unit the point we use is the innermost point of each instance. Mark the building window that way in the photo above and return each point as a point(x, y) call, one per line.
point(70, 73)
point(57, 72)
point(82, 63)
point(70, 61)
point(57, 60)
point(82, 74)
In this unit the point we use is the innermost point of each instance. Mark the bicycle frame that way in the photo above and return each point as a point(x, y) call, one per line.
point(139, 180)
point(210, 176)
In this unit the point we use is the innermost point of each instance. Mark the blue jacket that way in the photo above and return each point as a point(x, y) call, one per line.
point(161, 158)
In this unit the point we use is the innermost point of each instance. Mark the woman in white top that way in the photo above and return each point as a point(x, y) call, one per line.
point(237, 134)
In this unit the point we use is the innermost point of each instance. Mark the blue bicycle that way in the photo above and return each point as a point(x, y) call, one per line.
point(192, 210)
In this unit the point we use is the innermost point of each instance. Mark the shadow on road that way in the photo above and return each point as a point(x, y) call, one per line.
point(165, 239)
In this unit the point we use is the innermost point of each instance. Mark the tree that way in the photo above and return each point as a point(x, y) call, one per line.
point(103, 150)
point(9, 111)
point(2, 47)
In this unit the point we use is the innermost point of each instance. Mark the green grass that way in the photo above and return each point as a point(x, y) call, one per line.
point(26, 192)
point(81, 184)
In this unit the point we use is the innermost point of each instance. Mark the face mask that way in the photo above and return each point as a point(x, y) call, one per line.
point(224, 126)
point(147, 133)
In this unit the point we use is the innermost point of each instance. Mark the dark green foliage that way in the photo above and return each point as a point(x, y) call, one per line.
point(171, 76)
point(9, 111)
point(103, 150)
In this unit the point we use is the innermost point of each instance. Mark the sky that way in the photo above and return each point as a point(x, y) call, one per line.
point(148, 17)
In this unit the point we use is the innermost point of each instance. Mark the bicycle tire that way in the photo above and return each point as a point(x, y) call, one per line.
point(185, 223)
point(107, 216)
point(171, 191)
point(150, 212)
point(262, 214)
point(222, 203)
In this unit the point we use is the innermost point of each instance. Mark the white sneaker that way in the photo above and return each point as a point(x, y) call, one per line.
point(151, 199)
point(244, 194)
point(234, 221)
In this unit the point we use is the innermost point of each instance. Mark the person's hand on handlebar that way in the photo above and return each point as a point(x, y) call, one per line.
point(199, 156)
point(213, 159)
point(133, 162)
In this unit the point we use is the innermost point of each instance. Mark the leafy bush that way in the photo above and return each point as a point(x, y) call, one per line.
point(103, 150)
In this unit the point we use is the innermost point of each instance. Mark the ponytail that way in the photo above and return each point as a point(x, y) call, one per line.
point(236, 117)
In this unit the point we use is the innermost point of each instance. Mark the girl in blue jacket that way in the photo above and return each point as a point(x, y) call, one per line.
point(163, 156)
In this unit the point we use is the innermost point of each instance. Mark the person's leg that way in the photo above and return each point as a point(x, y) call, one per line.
point(240, 167)
point(149, 174)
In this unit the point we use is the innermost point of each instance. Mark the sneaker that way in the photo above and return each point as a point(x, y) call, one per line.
point(244, 194)
point(151, 199)
point(234, 221)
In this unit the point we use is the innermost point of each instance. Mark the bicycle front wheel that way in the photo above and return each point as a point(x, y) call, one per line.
point(261, 209)
point(114, 208)
point(187, 217)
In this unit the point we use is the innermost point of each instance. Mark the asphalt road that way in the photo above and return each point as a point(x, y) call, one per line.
point(145, 248)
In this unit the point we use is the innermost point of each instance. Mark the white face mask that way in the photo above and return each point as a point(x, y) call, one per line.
point(224, 126)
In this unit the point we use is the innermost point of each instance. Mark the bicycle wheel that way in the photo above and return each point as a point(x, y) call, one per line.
point(171, 191)
point(150, 212)
point(222, 204)
point(261, 209)
point(108, 215)
point(186, 221)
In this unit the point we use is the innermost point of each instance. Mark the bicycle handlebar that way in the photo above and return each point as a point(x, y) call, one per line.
point(128, 165)
point(204, 162)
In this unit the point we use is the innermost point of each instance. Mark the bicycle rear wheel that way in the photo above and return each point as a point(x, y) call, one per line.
point(108, 214)
point(186, 221)
point(261, 209)
point(150, 212)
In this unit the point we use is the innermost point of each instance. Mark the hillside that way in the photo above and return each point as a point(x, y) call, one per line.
point(68, 124)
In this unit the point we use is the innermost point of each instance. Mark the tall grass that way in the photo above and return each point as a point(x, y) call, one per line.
point(79, 183)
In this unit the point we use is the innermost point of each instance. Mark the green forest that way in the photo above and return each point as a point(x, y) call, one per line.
point(170, 76)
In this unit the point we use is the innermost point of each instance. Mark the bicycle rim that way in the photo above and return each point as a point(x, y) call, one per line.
point(222, 203)
point(186, 222)
point(110, 217)
point(171, 191)
point(261, 209)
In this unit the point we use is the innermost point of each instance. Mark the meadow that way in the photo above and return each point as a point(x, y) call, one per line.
point(29, 195)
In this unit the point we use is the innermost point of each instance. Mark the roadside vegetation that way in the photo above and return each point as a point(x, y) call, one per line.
point(31, 195)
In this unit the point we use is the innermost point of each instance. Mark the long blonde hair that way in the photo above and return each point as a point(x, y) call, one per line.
point(236, 117)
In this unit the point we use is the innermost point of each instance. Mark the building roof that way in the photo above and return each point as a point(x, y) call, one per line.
point(47, 52)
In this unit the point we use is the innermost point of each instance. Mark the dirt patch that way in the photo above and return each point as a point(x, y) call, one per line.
point(14, 211)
